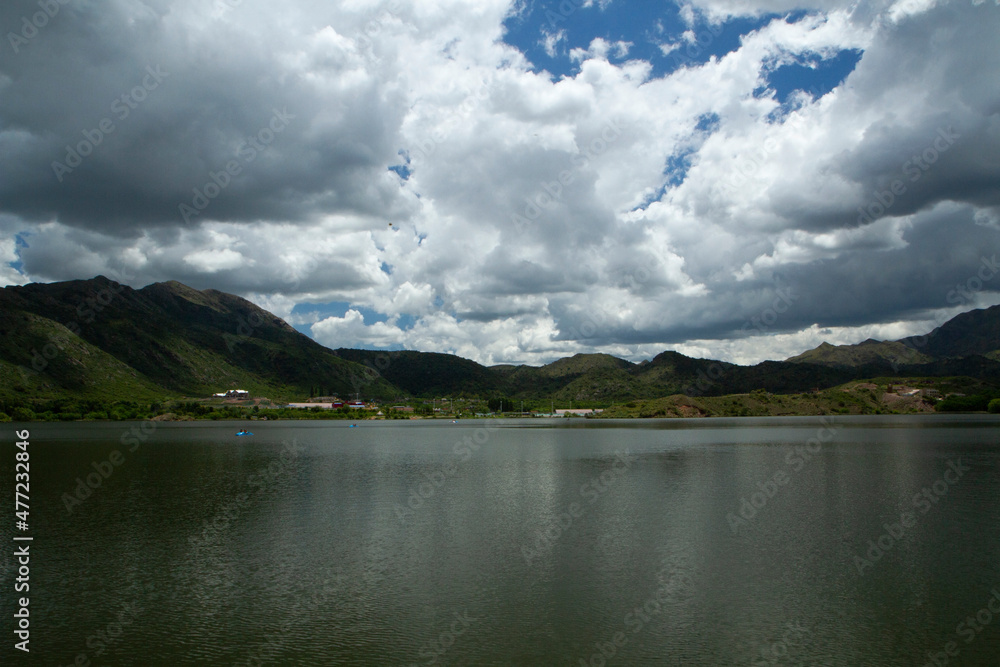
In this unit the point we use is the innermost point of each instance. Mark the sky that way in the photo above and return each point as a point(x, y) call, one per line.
point(516, 181)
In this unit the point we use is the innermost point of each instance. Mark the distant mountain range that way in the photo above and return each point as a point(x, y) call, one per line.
point(965, 339)
point(99, 339)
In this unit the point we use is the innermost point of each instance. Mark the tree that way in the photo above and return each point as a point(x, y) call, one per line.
point(994, 406)
point(500, 404)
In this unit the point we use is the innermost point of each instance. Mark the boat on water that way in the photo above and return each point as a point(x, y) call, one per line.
point(244, 433)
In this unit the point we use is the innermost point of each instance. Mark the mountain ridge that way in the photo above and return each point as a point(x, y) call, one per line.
point(99, 338)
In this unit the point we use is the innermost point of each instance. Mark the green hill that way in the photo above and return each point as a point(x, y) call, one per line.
point(99, 339)
point(971, 334)
point(976, 332)
point(867, 352)
point(426, 374)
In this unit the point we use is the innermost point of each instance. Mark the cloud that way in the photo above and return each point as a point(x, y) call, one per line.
point(212, 261)
point(406, 160)
point(551, 40)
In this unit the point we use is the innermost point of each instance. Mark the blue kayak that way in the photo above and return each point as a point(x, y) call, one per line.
point(247, 433)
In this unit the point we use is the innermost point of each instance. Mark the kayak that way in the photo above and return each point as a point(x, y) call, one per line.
point(247, 433)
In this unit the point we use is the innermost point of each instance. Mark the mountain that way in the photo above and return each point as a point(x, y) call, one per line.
point(100, 339)
point(425, 373)
point(869, 352)
point(602, 378)
point(976, 332)
point(970, 334)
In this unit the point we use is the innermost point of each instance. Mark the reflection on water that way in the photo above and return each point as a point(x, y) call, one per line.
point(715, 542)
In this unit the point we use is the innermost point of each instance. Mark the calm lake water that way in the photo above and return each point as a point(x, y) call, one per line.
point(857, 541)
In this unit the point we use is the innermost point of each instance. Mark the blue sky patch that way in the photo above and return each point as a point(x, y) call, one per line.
point(403, 170)
point(19, 242)
point(337, 309)
point(813, 74)
point(647, 26)
point(321, 311)
point(677, 167)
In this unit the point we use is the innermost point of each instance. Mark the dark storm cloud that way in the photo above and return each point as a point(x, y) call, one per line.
point(937, 137)
point(246, 146)
point(116, 113)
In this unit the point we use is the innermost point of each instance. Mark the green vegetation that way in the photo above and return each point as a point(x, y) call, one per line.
point(885, 395)
point(974, 403)
point(94, 349)
point(868, 352)
point(95, 339)
point(184, 410)
point(868, 397)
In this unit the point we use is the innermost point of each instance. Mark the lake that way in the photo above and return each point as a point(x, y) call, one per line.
point(791, 541)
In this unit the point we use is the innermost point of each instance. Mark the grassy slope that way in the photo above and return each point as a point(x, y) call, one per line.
point(867, 352)
point(857, 397)
point(65, 363)
point(162, 341)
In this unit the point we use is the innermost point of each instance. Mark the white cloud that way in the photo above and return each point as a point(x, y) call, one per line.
point(213, 261)
point(8, 254)
point(550, 42)
point(534, 217)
